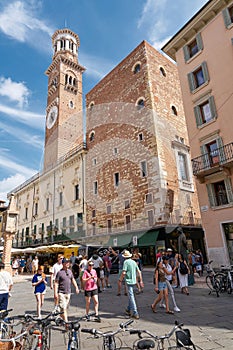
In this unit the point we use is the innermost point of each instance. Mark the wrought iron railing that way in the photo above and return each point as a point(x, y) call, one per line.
point(220, 156)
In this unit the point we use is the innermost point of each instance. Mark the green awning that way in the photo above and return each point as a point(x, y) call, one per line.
point(134, 239)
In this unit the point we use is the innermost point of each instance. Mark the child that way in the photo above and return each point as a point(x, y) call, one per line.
point(39, 281)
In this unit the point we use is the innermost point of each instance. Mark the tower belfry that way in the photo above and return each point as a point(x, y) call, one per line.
point(64, 124)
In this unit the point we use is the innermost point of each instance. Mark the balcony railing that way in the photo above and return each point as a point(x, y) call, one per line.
point(222, 156)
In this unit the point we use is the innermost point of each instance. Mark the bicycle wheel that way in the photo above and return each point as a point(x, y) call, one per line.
point(222, 280)
point(209, 282)
point(229, 287)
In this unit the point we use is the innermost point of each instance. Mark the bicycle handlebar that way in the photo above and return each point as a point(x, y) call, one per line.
point(156, 337)
point(4, 313)
point(96, 333)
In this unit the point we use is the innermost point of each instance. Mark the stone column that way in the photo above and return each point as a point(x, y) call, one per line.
point(6, 258)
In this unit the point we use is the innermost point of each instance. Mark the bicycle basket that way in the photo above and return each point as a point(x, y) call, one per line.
point(10, 346)
point(183, 338)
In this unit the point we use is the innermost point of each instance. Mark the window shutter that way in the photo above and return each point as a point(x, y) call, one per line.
point(199, 42)
point(226, 17)
point(186, 53)
point(191, 81)
point(221, 152)
point(211, 195)
point(205, 71)
point(228, 186)
point(205, 157)
point(198, 117)
point(212, 107)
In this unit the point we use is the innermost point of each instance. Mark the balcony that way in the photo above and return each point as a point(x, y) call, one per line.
point(209, 163)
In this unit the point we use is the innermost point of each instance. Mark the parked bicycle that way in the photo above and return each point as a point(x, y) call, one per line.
point(214, 280)
point(5, 322)
point(109, 338)
point(15, 342)
point(183, 339)
point(227, 278)
point(73, 330)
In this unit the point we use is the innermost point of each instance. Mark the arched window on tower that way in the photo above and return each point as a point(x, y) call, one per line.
point(74, 82)
point(70, 80)
point(66, 79)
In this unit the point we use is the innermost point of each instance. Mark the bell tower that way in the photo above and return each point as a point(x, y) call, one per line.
point(64, 119)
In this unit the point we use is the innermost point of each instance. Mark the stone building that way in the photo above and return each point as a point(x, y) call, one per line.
point(130, 183)
point(202, 49)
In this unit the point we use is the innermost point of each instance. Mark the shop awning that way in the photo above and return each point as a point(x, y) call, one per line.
point(134, 239)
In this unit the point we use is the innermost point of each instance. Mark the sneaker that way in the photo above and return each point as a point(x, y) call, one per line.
point(127, 312)
point(136, 316)
point(97, 318)
point(162, 306)
point(87, 318)
point(109, 286)
point(176, 309)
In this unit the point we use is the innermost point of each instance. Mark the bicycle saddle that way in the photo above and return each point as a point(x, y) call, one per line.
point(145, 344)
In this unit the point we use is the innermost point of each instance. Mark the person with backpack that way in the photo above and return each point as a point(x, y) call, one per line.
point(183, 271)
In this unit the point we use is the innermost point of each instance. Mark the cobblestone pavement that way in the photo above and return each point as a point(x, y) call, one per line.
point(210, 319)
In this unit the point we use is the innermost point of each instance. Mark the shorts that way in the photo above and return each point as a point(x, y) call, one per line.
point(97, 271)
point(3, 301)
point(41, 293)
point(106, 272)
point(162, 286)
point(91, 293)
point(64, 300)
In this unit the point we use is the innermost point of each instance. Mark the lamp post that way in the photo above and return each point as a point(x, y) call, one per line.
point(9, 228)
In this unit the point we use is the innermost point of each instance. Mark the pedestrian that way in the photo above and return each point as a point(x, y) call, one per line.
point(91, 290)
point(183, 271)
point(121, 260)
point(107, 268)
point(39, 281)
point(6, 284)
point(169, 280)
point(62, 287)
point(56, 267)
point(72, 258)
point(98, 262)
point(130, 272)
point(182, 243)
point(22, 264)
point(35, 264)
point(15, 267)
point(83, 266)
point(161, 286)
point(137, 257)
point(75, 270)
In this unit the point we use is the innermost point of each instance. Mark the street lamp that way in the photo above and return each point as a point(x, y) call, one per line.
point(9, 228)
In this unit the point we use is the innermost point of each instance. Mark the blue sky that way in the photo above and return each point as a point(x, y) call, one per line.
point(108, 30)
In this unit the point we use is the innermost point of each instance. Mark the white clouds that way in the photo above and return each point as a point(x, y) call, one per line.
point(8, 184)
point(14, 91)
point(97, 67)
point(17, 20)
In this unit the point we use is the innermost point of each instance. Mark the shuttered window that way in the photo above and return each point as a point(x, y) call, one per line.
point(193, 47)
point(198, 77)
point(205, 111)
point(228, 16)
point(220, 193)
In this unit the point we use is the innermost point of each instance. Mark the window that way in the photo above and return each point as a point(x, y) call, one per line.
point(183, 166)
point(140, 103)
point(193, 47)
point(60, 199)
point(174, 110)
point(64, 222)
point(205, 111)
point(95, 190)
point(71, 220)
point(115, 151)
point(26, 213)
point(93, 228)
point(80, 218)
point(228, 15)
point(109, 225)
point(36, 209)
point(140, 136)
point(56, 225)
point(93, 213)
point(213, 153)
point(198, 77)
point(128, 222)
point(162, 71)
point(109, 209)
point(143, 169)
point(47, 204)
point(148, 198)
point(92, 136)
point(94, 161)
point(127, 204)
point(220, 193)
point(71, 104)
point(116, 179)
point(150, 217)
point(76, 192)
point(137, 68)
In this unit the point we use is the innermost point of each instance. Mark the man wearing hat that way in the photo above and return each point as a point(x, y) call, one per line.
point(130, 272)
point(62, 288)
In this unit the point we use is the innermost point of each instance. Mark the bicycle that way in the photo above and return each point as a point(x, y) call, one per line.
point(39, 334)
point(5, 323)
point(73, 328)
point(15, 340)
point(214, 280)
point(183, 339)
point(109, 338)
point(227, 279)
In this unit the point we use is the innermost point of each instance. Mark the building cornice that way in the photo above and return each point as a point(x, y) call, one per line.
point(62, 59)
point(209, 11)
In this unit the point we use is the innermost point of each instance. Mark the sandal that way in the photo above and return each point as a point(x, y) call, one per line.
point(170, 312)
point(153, 309)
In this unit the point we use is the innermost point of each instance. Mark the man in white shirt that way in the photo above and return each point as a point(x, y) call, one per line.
point(6, 284)
point(56, 267)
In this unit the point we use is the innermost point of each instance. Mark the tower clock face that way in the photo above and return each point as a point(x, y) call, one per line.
point(52, 117)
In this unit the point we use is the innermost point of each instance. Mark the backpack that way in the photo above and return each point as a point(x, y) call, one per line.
point(183, 268)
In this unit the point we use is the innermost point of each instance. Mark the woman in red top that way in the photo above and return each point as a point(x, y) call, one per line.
point(91, 290)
